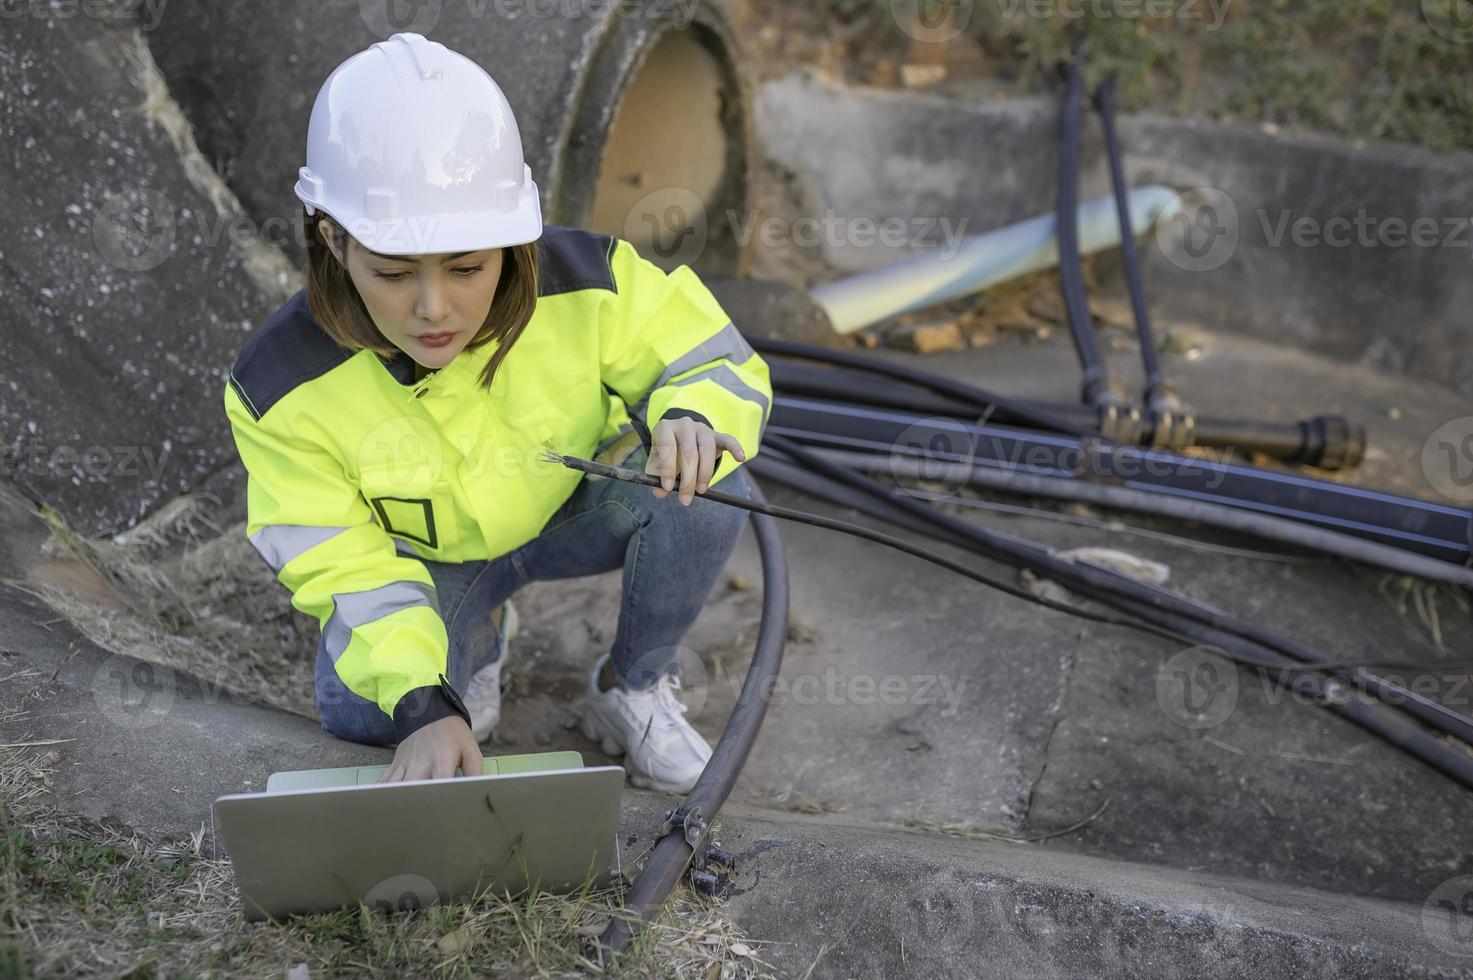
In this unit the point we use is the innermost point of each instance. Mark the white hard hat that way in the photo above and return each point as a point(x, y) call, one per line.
point(413, 149)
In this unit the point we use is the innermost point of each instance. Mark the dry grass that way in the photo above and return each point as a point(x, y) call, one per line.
point(795, 800)
point(80, 898)
point(981, 830)
point(188, 596)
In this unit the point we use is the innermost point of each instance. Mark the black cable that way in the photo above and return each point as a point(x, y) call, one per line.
point(879, 537)
point(1105, 103)
point(685, 837)
point(983, 399)
point(1117, 585)
point(1377, 507)
point(1330, 442)
point(1071, 275)
point(858, 530)
point(1265, 526)
point(1380, 720)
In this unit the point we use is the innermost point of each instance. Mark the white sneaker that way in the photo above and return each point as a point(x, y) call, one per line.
point(483, 694)
point(663, 752)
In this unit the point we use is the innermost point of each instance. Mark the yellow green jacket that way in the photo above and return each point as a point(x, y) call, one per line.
point(356, 470)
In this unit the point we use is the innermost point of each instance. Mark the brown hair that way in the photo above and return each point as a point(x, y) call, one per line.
point(339, 310)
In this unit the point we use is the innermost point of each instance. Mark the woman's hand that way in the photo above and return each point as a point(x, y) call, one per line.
point(689, 448)
point(433, 752)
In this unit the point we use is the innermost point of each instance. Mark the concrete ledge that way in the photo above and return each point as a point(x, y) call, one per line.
point(893, 903)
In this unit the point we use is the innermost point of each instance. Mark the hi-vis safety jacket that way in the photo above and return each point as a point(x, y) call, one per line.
point(356, 471)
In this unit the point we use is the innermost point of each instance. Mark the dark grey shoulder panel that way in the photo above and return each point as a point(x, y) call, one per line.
point(570, 259)
point(290, 350)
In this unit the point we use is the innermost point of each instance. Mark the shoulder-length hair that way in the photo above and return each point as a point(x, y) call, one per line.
point(339, 310)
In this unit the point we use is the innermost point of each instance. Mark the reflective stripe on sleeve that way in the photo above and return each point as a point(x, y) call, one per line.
point(280, 543)
point(354, 609)
point(724, 376)
point(728, 343)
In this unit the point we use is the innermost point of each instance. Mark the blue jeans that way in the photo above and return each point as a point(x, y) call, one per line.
point(672, 556)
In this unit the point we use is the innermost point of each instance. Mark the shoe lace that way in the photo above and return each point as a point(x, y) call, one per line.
point(482, 683)
point(668, 714)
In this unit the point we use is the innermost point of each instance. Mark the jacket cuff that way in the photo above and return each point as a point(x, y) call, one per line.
point(687, 413)
point(427, 704)
point(674, 413)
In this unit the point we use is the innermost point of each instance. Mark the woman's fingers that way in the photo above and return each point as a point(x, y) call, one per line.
point(690, 464)
point(691, 450)
point(471, 761)
point(730, 444)
point(665, 457)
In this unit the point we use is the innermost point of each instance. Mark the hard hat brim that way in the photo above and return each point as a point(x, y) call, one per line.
point(442, 233)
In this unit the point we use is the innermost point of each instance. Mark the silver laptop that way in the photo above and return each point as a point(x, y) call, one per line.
point(328, 838)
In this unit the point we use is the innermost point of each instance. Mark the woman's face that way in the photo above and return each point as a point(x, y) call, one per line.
point(429, 306)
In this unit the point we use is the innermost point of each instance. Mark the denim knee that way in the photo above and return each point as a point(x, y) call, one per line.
point(346, 715)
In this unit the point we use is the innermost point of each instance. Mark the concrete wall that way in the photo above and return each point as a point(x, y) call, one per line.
point(1361, 252)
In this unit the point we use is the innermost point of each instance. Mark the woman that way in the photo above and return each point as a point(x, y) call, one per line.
point(392, 417)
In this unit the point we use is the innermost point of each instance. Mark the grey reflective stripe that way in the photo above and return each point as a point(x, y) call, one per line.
point(723, 375)
point(728, 343)
point(405, 548)
point(280, 543)
point(353, 609)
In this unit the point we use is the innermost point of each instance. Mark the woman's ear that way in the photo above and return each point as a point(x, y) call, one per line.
point(330, 234)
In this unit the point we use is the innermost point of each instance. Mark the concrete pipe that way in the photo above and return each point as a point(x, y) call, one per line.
point(635, 118)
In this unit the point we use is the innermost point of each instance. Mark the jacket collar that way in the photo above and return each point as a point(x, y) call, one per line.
point(401, 366)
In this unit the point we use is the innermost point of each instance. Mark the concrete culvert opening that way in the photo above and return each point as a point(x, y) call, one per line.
point(666, 167)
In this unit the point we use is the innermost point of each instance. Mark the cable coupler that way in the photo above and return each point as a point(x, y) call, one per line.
point(692, 826)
